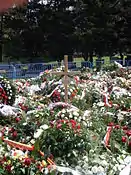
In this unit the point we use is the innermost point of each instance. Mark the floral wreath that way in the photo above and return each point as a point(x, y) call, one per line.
point(7, 92)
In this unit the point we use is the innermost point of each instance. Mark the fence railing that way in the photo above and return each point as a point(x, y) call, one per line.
point(32, 70)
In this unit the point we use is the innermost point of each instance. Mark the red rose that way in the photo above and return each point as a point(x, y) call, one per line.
point(14, 134)
point(79, 127)
point(52, 124)
point(27, 161)
point(58, 126)
point(129, 144)
point(8, 168)
point(111, 124)
point(124, 139)
point(124, 127)
point(17, 119)
point(117, 126)
point(11, 130)
point(73, 121)
point(128, 133)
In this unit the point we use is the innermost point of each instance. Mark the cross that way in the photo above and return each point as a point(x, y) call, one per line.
point(65, 74)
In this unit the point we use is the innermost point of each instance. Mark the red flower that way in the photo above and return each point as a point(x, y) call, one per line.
point(125, 127)
point(117, 127)
point(52, 124)
point(11, 130)
point(58, 126)
point(24, 108)
point(73, 121)
point(124, 139)
point(79, 127)
point(17, 119)
point(14, 134)
point(20, 104)
point(128, 133)
point(111, 124)
point(51, 156)
point(129, 144)
point(52, 112)
point(44, 79)
point(8, 168)
point(27, 161)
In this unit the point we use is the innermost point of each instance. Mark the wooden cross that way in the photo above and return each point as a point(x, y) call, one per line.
point(65, 74)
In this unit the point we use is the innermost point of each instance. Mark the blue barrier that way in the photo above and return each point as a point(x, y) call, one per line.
point(31, 70)
point(86, 64)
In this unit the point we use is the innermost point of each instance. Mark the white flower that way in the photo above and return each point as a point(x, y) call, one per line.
point(109, 113)
point(1, 134)
point(44, 127)
point(100, 169)
point(94, 169)
point(75, 118)
point(120, 116)
point(79, 120)
point(62, 93)
point(71, 90)
point(75, 113)
point(59, 90)
point(127, 160)
point(85, 158)
point(62, 115)
point(38, 133)
point(89, 172)
point(104, 163)
point(69, 93)
point(120, 167)
point(64, 111)
point(100, 104)
point(32, 141)
point(83, 118)
point(91, 151)
point(24, 124)
point(115, 168)
point(120, 160)
point(70, 115)
point(84, 123)
point(46, 171)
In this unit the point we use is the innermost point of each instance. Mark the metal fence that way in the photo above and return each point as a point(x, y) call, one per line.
point(33, 69)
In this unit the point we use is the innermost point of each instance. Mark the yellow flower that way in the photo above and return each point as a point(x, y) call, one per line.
point(9, 162)
point(44, 164)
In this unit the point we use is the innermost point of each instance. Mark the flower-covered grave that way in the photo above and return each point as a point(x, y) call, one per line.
point(91, 134)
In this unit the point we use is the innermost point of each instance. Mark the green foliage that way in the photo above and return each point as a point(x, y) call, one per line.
point(58, 27)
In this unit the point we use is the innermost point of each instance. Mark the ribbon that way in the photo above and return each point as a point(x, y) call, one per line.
point(107, 136)
point(22, 146)
point(106, 100)
point(18, 145)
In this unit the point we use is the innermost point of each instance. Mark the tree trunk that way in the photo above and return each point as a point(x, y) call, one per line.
point(1, 39)
point(86, 56)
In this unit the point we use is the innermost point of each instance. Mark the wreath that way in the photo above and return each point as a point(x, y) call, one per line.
point(7, 92)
